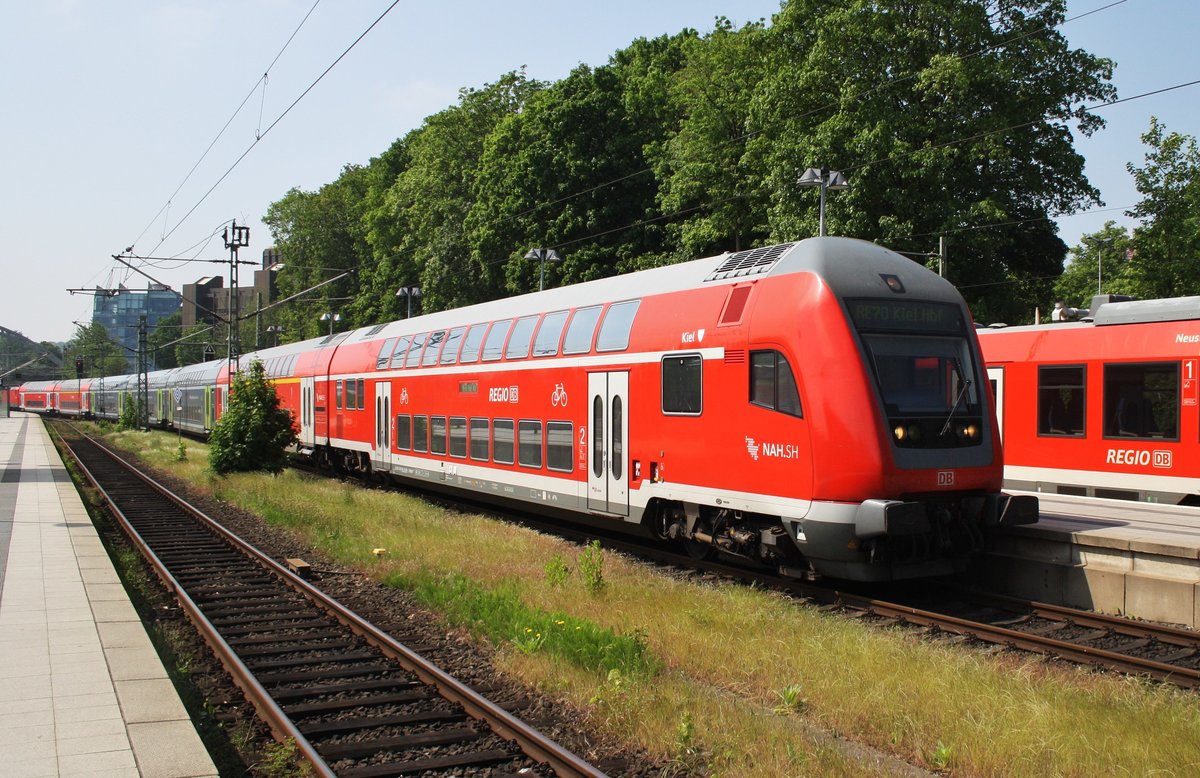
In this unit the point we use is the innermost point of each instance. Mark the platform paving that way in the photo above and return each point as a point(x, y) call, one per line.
point(82, 691)
point(1115, 556)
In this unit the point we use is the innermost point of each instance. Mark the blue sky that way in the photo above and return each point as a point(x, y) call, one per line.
point(108, 106)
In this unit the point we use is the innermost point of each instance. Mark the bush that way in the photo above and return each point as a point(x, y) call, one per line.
point(254, 431)
point(128, 419)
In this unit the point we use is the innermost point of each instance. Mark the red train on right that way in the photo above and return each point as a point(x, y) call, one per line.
point(1107, 406)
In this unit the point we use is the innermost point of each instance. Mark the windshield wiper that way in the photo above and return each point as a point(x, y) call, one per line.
point(965, 384)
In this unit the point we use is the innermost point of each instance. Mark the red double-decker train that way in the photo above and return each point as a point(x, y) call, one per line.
point(814, 406)
point(1103, 407)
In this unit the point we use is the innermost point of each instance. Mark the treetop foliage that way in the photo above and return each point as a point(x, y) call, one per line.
point(949, 117)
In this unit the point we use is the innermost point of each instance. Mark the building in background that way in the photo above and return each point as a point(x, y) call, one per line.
point(209, 296)
point(121, 310)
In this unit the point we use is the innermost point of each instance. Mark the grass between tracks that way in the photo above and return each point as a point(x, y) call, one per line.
point(724, 679)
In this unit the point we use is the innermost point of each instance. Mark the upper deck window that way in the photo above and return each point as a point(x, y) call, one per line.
point(548, 334)
point(414, 351)
point(518, 344)
point(385, 354)
point(618, 323)
point(493, 348)
point(432, 348)
point(450, 350)
point(471, 343)
point(400, 350)
point(581, 330)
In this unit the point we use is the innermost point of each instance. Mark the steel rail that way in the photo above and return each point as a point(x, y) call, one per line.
point(532, 742)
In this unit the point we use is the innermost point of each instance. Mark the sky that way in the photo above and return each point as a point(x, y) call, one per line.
point(111, 110)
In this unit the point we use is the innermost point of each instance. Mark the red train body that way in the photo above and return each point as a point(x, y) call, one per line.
point(1106, 407)
point(813, 406)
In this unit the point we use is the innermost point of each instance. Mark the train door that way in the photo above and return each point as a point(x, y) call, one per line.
point(307, 401)
point(996, 379)
point(383, 427)
point(208, 407)
point(608, 470)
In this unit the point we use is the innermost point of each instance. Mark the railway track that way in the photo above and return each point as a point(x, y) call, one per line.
point(357, 703)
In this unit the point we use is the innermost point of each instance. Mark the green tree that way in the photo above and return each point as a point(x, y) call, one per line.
point(254, 430)
point(190, 349)
point(1167, 244)
point(949, 118)
point(1106, 251)
point(127, 419)
point(101, 356)
point(168, 329)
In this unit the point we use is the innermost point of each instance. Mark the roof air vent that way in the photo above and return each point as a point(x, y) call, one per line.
point(750, 263)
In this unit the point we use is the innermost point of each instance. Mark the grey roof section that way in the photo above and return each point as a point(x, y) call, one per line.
point(1139, 311)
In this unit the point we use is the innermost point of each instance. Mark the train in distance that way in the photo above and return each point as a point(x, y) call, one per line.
point(817, 407)
point(1102, 402)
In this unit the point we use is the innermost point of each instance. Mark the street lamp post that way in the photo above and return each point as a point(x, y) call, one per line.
point(826, 179)
point(332, 318)
point(543, 256)
point(408, 292)
point(275, 329)
point(1100, 262)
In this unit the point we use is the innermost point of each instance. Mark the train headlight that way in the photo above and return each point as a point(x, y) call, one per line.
point(968, 431)
point(899, 432)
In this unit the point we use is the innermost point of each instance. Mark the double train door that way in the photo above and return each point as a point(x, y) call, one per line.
point(307, 407)
point(608, 465)
point(383, 427)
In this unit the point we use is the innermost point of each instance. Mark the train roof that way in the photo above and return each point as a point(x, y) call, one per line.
point(850, 266)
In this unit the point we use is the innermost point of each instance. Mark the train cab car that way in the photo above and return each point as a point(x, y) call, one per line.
point(1105, 407)
point(814, 406)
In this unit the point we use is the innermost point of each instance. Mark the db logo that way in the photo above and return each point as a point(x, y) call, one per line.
point(945, 478)
point(1162, 459)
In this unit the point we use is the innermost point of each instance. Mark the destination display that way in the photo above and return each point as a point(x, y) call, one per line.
point(905, 316)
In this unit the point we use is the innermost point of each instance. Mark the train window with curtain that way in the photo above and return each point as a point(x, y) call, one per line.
point(493, 347)
point(480, 430)
point(502, 441)
point(581, 330)
point(420, 433)
point(458, 436)
point(1062, 401)
point(338, 394)
point(518, 344)
point(432, 348)
point(414, 351)
point(437, 435)
point(545, 344)
point(1142, 401)
point(682, 385)
point(560, 446)
point(450, 350)
point(404, 432)
point(471, 343)
point(529, 443)
point(400, 350)
point(385, 354)
point(772, 383)
point(617, 324)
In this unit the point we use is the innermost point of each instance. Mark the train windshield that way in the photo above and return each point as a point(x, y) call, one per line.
point(922, 375)
point(920, 355)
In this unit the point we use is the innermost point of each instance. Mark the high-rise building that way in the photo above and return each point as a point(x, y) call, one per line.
point(121, 311)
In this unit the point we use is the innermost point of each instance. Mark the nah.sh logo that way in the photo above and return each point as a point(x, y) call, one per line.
point(752, 447)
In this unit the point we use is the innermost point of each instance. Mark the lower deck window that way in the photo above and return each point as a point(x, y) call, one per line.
point(560, 446)
point(420, 433)
point(437, 435)
point(529, 451)
point(404, 433)
point(479, 439)
point(502, 441)
point(458, 436)
point(682, 385)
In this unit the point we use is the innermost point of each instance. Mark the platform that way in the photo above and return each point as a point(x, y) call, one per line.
point(82, 691)
point(1130, 558)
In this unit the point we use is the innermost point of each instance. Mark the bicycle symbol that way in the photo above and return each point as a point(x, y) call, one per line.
point(404, 396)
point(559, 397)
